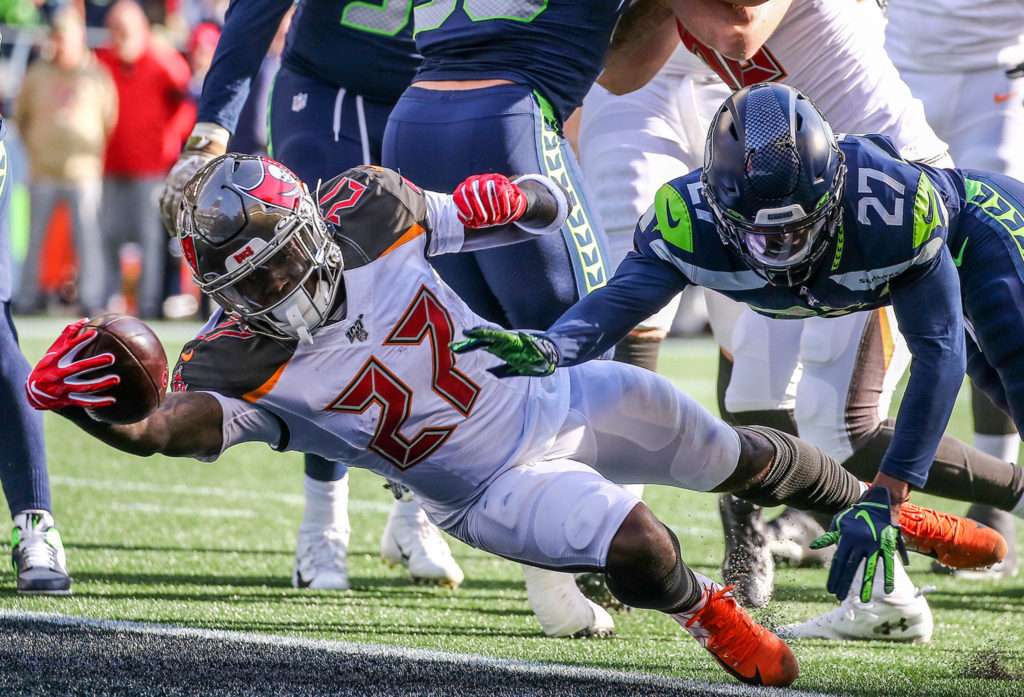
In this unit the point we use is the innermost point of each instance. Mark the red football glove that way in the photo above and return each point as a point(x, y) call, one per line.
point(484, 200)
point(56, 381)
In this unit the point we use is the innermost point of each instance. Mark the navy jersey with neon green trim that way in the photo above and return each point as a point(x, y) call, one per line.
point(365, 47)
point(891, 250)
point(557, 47)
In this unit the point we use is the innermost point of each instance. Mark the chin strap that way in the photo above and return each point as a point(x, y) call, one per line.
point(298, 323)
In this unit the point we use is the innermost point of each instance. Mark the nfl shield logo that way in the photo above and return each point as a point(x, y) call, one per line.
point(357, 332)
point(299, 101)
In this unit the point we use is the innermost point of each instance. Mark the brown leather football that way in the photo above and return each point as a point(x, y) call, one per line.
point(139, 360)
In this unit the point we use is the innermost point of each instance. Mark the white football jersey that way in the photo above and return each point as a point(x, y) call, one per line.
point(833, 51)
point(955, 35)
point(380, 388)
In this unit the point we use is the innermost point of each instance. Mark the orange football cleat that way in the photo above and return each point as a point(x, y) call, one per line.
point(747, 651)
point(960, 543)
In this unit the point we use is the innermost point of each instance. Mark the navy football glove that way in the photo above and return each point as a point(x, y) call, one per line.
point(865, 532)
point(523, 353)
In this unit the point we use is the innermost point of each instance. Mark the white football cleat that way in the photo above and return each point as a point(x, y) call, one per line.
point(902, 615)
point(37, 554)
point(320, 559)
point(561, 608)
point(412, 541)
point(322, 546)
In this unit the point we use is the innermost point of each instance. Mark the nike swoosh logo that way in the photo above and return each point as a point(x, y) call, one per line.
point(672, 222)
point(187, 356)
point(1000, 98)
point(929, 217)
point(301, 582)
point(871, 523)
point(959, 257)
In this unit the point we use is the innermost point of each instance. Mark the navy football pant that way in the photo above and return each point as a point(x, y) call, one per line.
point(22, 451)
point(988, 246)
point(438, 138)
point(319, 130)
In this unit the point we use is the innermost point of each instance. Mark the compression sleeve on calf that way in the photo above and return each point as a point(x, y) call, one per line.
point(801, 476)
point(242, 422)
point(677, 591)
point(958, 472)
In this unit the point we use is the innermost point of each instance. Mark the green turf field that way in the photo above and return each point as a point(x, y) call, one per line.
point(210, 545)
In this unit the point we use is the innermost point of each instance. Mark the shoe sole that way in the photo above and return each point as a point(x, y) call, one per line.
point(422, 580)
point(30, 591)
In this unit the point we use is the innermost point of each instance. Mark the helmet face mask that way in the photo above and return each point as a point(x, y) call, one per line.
point(773, 178)
point(257, 245)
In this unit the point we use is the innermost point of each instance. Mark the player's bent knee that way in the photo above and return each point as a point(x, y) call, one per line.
point(645, 568)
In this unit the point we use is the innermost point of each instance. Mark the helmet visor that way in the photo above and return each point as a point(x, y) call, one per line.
point(785, 247)
point(270, 279)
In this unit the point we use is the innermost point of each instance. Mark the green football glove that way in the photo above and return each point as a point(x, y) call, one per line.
point(523, 353)
point(864, 531)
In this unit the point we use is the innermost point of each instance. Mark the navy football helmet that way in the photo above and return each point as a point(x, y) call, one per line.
point(773, 176)
point(257, 244)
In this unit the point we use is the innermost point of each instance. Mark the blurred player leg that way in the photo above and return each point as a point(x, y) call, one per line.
point(320, 130)
point(437, 139)
point(36, 548)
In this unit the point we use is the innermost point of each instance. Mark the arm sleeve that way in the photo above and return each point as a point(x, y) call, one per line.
point(243, 422)
point(640, 287)
point(928, 309)
point(249, 28)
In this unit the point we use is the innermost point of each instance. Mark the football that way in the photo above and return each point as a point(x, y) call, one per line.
point(139, 360)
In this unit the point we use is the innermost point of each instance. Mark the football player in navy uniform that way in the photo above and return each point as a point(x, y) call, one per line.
point(343, 67)
point(333, 337)
point(37, 552)
point(795, 223)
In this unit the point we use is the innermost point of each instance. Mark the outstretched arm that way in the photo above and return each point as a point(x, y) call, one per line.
point(186, 424)
point(68, 381)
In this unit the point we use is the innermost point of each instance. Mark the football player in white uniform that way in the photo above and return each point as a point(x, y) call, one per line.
point(838, 377)
point(963, 59)
point(334, 339)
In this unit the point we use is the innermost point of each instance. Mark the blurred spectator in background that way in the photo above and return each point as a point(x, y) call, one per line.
point(202, 42)
point(66, 111)
point(154, 117)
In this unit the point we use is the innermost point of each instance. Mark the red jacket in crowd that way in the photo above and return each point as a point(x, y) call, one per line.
point(154, 112)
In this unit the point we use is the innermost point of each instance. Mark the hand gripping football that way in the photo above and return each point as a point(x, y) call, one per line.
point(140, 362)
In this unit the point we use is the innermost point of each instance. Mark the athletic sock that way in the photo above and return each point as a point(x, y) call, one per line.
point(326, 504)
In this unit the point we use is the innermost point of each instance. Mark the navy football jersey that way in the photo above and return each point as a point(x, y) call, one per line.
point(557, 47)
point(889, 250)
point(365, 49)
